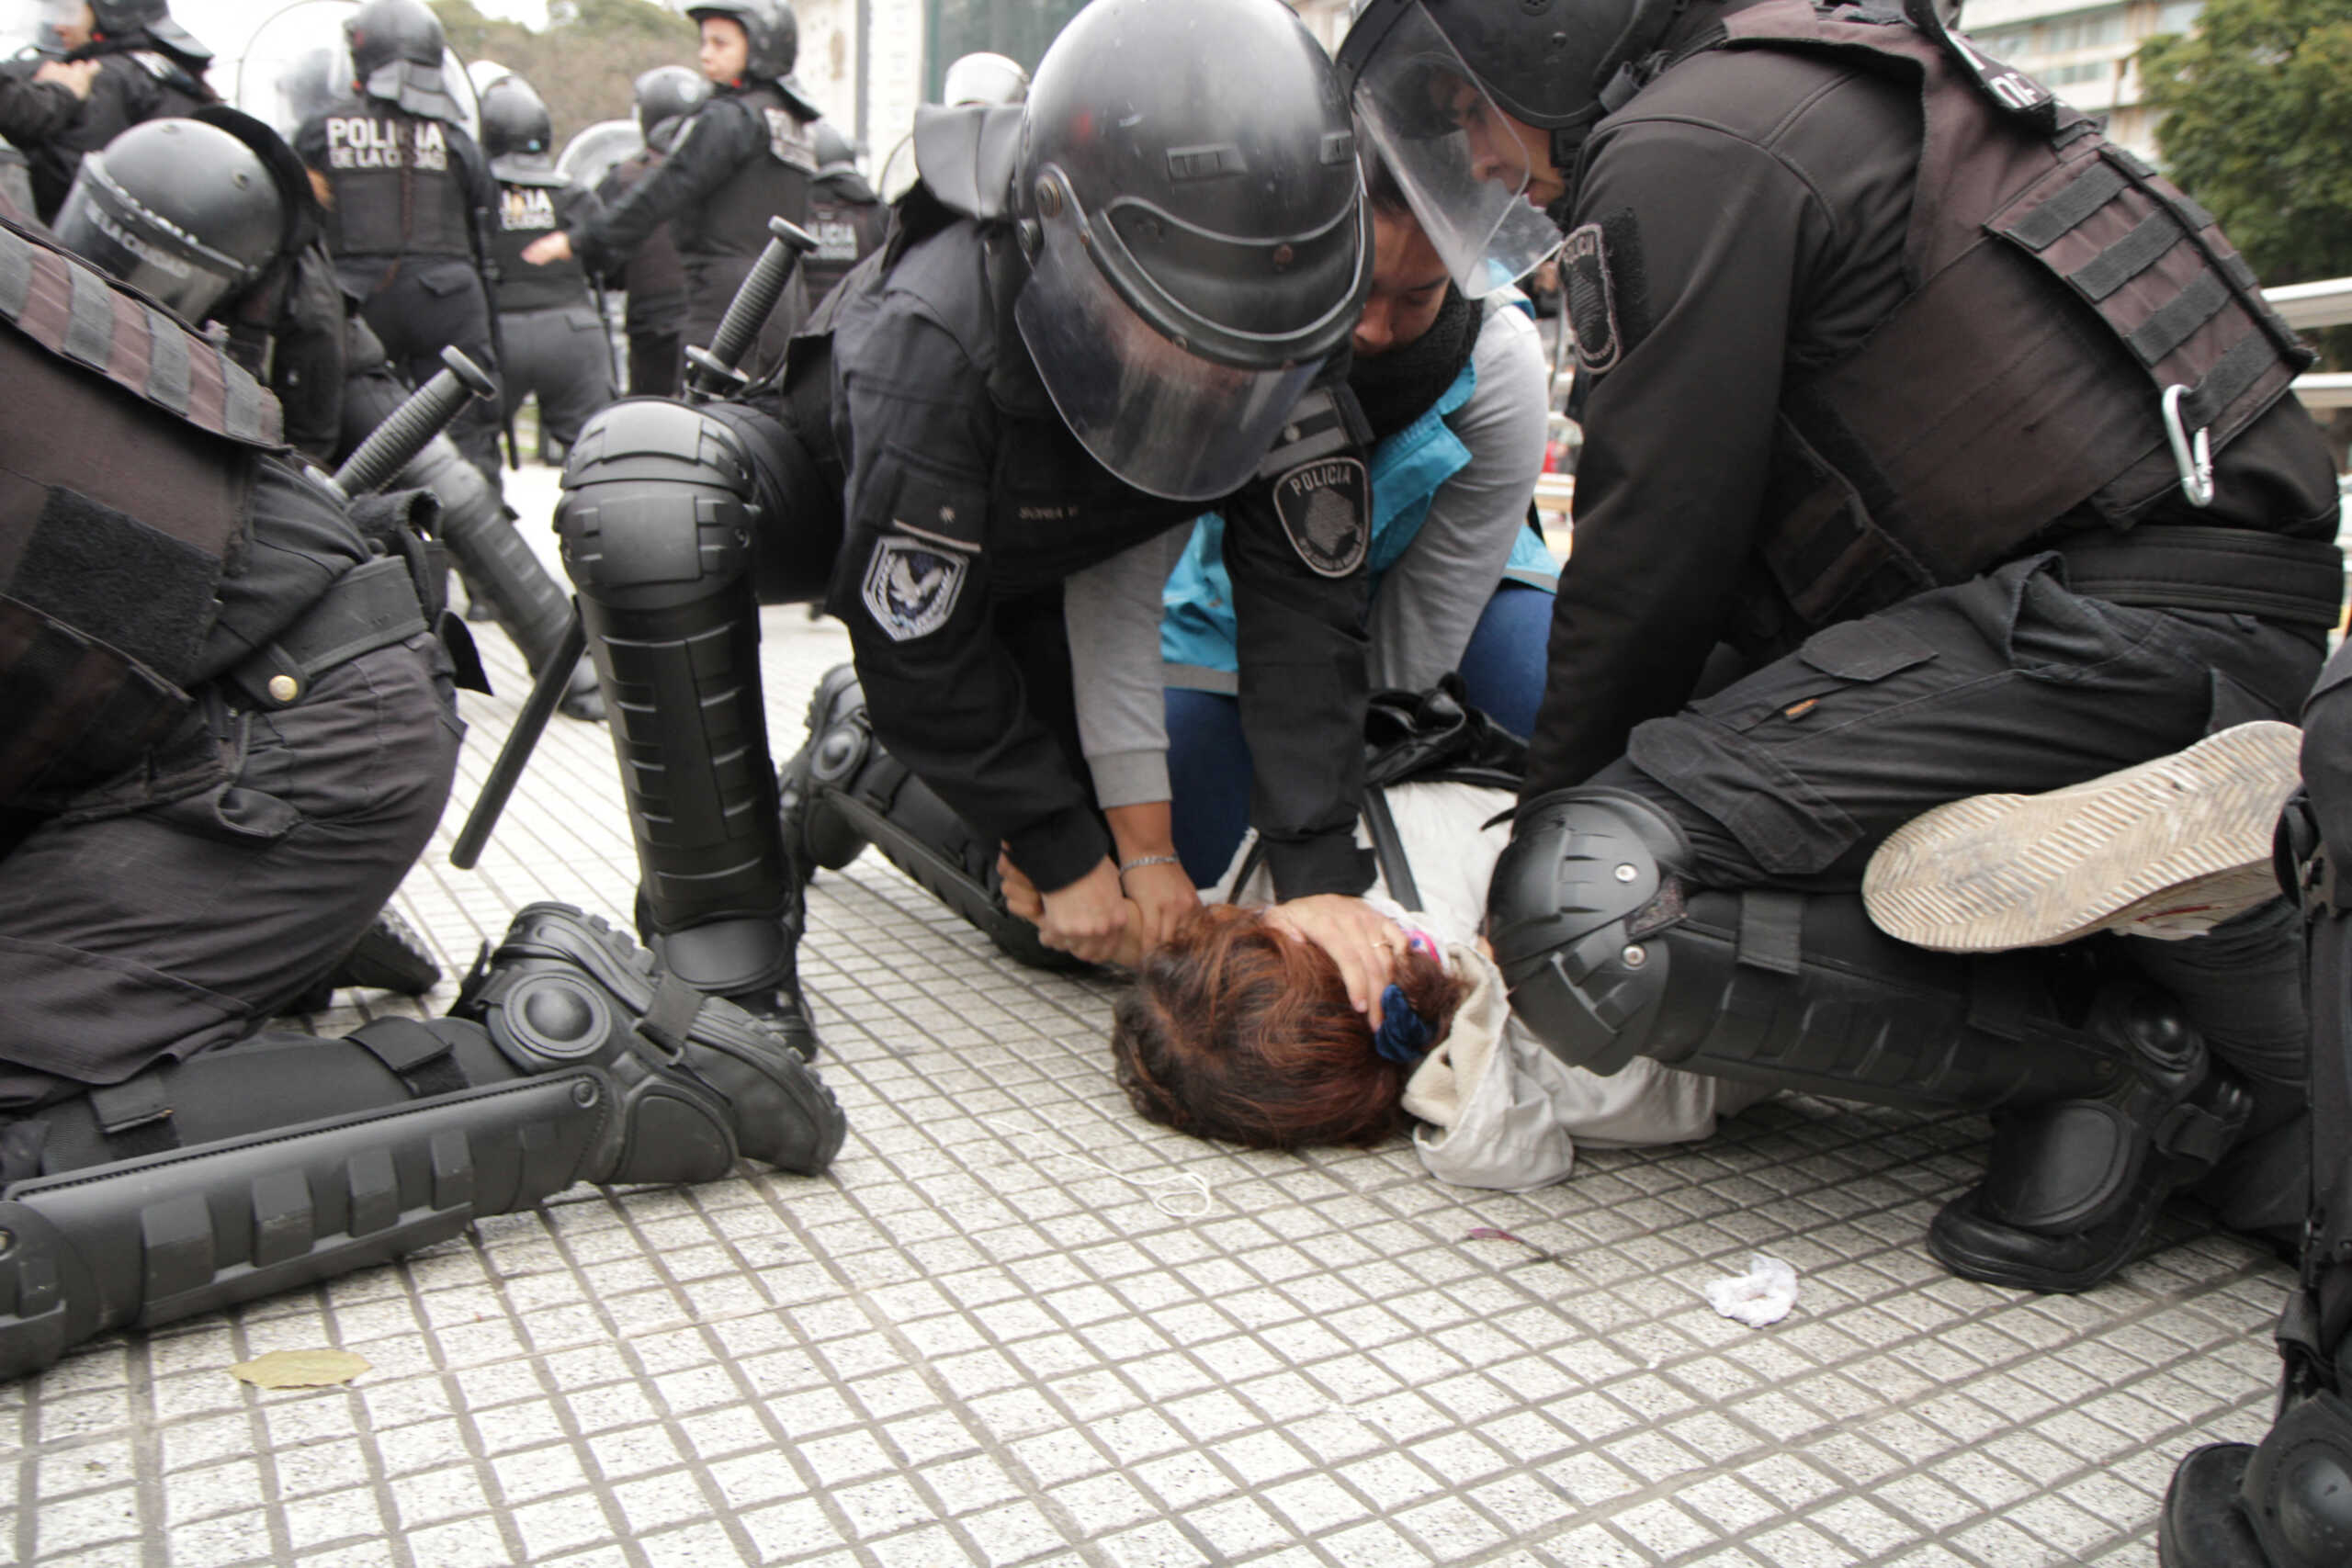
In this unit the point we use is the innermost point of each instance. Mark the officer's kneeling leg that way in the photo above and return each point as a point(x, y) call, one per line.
point(287, 1159)
point(657, 521)
point(842, 791)
point(2104, 1100)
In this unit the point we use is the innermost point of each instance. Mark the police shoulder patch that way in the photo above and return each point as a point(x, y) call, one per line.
point(1325, 508)
point(1591, 295)
point(911, 586)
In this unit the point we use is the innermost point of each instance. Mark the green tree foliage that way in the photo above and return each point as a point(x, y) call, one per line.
point(584, 60)
point(2256, 108)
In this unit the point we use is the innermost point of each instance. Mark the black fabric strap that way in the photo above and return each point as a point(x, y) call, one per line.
point(136, 1115)
point(1771, 930)
point(670, 1014)
point(2128, 257)
point(2176, 321)
point(1388, 848)
point(369, 607)
point(2244, 364)
point(2054, 220)
point(414, 1055)
point(2294, 581)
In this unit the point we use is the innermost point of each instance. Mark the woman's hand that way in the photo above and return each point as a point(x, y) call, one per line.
point(1162, 894)
point(549, 248)
point(1363, 942)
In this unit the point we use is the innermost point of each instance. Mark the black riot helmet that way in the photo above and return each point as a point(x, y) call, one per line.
point(182, 208)
point(396, 55)
point(1428, 77)
point(666, 92)
point(1188, 189)
point(121, 19)
point(515, 123)
point(772, 30)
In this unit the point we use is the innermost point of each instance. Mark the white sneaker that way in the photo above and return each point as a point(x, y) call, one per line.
point(2169, 849)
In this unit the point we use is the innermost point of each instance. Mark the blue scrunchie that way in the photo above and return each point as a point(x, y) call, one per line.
point(1404, 1036)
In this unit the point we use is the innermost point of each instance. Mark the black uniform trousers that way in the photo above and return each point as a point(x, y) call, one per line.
point(562, 357)
point(429, 303)
point(162, 932)
point(1794, 775)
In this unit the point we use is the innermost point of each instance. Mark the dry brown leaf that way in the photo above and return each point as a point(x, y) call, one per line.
point(301, 1369)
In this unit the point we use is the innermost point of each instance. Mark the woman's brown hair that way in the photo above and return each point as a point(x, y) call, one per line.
point(1239, 1030)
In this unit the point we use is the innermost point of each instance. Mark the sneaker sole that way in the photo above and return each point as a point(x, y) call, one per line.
point(2168, 848)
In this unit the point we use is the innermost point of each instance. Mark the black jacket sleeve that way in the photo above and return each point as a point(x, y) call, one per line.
point(1703, 232)
point(710, 148)
point(942, 689)
point(1303, 686)
point(33, 113)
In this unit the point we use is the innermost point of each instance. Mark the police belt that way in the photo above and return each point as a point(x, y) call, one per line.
point(2182, 567)
point(372, 606)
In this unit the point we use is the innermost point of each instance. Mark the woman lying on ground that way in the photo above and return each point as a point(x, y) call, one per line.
point(1241, 1027)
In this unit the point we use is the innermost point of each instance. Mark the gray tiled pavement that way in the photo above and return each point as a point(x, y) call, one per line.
point(965, 1344)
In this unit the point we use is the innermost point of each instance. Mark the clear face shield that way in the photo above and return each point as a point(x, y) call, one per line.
point(1457, 160)
point(1165, 421)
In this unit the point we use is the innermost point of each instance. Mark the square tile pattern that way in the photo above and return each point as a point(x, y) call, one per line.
point(989, 1335)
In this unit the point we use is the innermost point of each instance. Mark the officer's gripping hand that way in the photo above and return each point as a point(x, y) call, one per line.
point(1089, 919)
point(1162, 896)
point(547, 249)
point(1362, 941)
point(1022, 897)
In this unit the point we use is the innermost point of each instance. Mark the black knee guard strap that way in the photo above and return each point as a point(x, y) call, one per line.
point(657, 523)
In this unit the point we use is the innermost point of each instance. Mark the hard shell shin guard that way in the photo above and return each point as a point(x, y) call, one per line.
point(842, 791)
point(657, 524)
point(2103, 1099)
point(287, 1159)
point(499, 567)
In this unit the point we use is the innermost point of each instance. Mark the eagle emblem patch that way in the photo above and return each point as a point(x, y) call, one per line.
point(1325, 508)
point(1591, 296)
point(911, 587)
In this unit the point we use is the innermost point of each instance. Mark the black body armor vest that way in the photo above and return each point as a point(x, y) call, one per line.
point(397, 187)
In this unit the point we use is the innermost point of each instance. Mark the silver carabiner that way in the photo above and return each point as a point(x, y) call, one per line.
point(2193, 456)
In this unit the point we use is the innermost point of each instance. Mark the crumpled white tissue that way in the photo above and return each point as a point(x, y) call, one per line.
point(1762, 1296)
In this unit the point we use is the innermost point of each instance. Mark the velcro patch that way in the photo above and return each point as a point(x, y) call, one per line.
point(1591, 295)
point(790, 141)
point(1325, 508)
point(911, 586)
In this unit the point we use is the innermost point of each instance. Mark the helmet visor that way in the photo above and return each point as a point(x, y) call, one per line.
point(1167, 422)
point(101, 223)
point(1458, 163)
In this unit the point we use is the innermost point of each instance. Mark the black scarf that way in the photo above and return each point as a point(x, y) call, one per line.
point(1399, 387)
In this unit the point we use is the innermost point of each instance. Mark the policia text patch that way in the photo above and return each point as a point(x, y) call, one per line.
point(1325, 508)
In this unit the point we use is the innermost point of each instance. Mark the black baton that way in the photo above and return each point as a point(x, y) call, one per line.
point(713, 372)
point(392, 446)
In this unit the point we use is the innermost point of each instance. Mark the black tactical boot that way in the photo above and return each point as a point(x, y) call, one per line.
point(529, 994)
point(2073, 1186)
point(836, 745)
point(390, 957)
point(2285, 1504)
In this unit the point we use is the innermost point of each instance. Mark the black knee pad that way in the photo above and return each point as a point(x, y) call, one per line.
point(1589, 874)
point(659, 506)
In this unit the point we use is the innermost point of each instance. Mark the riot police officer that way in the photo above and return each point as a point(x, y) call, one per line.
point(652, 275)
point(844, 214)
point(1085, 325)
point(409, 209)
point(2003, 490)
point(746, 156)
point(148, 66)
point(554, 340)
point(2287, 1501)
point(214, 216)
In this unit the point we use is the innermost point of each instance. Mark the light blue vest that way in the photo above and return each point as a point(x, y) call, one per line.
point(1196, 624)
